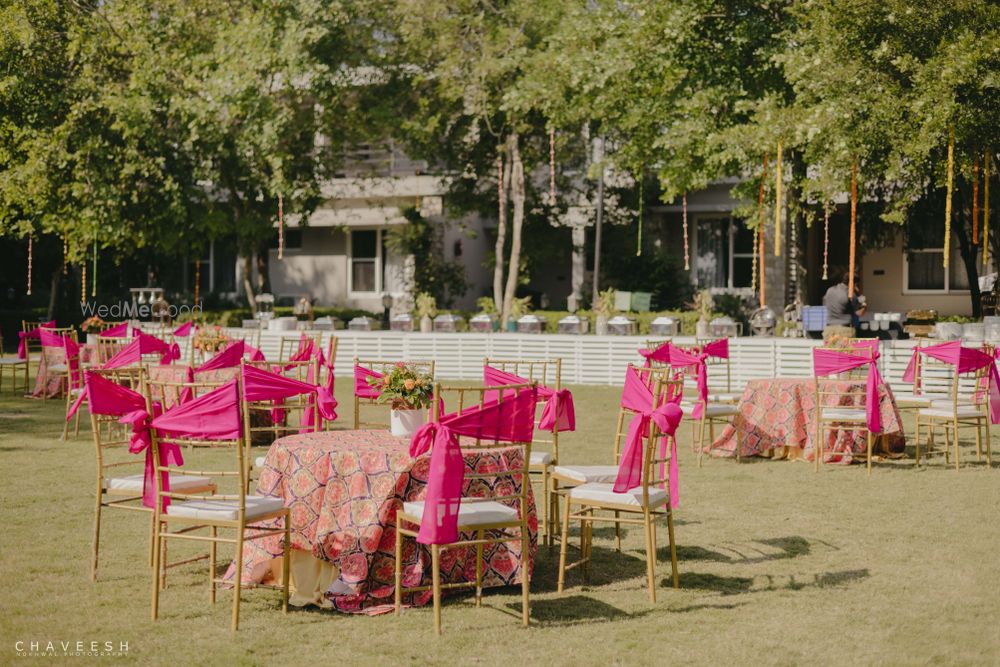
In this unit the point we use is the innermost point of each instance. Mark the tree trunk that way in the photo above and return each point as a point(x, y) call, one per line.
point(247, 285)
point(968, 252)
point(54, 292)
point(263, 268)
point(501, 242)
point(517, 222)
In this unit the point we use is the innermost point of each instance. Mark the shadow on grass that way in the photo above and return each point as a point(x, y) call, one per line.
point(788, 547)
point(607, 566)
point(766, 582)
point(573, 610)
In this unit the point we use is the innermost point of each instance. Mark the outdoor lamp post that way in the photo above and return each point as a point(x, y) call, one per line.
point(386, 305)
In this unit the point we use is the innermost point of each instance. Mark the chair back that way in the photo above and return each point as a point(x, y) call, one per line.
point(659, 381)
point(54, 352)
point(716, 366)
point(653, 345)
point(111, 437)
point(109, 346)
point(267, 420)
point(477, 485)
point(288, 346)
point(656, 459)
point(224, 432)
point(172, 388)
point(379, 367)
point(545, 372)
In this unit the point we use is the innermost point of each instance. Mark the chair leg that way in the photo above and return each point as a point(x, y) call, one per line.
point(399, 571)
point(650, 557)
point(701, 439)
point(563, 541)
point(97, 536)
point(480, 535)
point(212, 554)
point(286, 566)
point(545, 507)
point(957, 462)
point(155, 570)
point(238, 582)
point(525, 575)
point(869, 456)
point(436, 586)
point(979, 441)
point(989, 453)
point(916, 443)
point(554, 508)
point(673, 548)
point(618, 533)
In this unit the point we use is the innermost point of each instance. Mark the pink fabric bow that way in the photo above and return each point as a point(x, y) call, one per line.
point(22, 342)
point(965, 360)
point(231, 356)
point(512, 420)
point(212, 416)
point(142, 344)
point(262, 385)
point(683, 359)
point(828, 362)
point(361, 387)
point(117, 331)
point(638, 397)
point(660, 354)
point(184, 330)
point(558, 413)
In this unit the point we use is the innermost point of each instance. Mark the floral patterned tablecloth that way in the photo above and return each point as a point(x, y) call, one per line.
point(344, 488)
point(776, 417)
point(50, 385)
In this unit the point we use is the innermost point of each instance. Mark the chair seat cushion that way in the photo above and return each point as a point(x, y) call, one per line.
point(225, 510)
point(541, 458)
point(725, 397)
point(909, 399)
point(711, 409)
point(605, 493)
point(964, 411)
point(57, 368)
point(945, 403)
point(133, 483)
point(584, 474)
point(845, 414)
point(12, 361)
point(471, 512)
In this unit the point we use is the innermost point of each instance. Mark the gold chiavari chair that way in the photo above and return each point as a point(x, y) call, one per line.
point(124, 492)
point(250, 517)
point(70, 380)
point(832, 416)
point(713, 412)
point(482, 519)
point(960, 410)
point(264, 428)
point(717, 395)
point(289, 345)
point(109, 346)
point(641, 506)
point(420, 366)
point(654, 344)
point(566, 476)
point(544, 445)
point(15, 364)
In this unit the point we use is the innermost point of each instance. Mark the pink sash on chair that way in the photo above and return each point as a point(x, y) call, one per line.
point(558, 413)
point(22, 343)
point(184, 330)
point(361, 387)
point(70, 349)
point(512, 420)
point(660, 354)
point(638, 397)
point(828, 362)
point(683, 359)
point(965, 360)
point(142, 344)
point(262, 385)
point(231, 356)
point(117, 331)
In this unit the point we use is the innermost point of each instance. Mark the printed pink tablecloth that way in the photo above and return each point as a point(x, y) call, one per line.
point(49, 385)
point(777, 418)
point(344, 488)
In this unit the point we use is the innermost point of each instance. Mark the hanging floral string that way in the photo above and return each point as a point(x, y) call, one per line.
point(947, 203)
point(826, 242)
point(83, 278)
point(759, 239)
point(93, 278)
point(65, 254)
point(753, 266)
point(638, 243)
point(986, 210)
point(687, 248)
point(854, 228)
point(777, 204)
point(281, 227)
point(30, 258)
point(552, 166)
point(975, 201)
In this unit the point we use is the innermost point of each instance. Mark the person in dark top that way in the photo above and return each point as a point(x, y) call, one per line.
point(842, 310)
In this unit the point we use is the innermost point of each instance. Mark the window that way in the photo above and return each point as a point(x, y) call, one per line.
point(724, 251)
point(293, 239)
point(366, 259)
point(924, 270)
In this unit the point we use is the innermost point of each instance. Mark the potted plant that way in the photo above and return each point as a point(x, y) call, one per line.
point(426, 306)
point(604, 308)
point(518, 309)
point(409, 394)
point(93, 326)
point(703, 303)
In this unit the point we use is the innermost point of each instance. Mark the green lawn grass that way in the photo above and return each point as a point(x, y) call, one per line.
point(778, 565)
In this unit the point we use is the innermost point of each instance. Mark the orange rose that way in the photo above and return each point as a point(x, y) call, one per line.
point(409, 384)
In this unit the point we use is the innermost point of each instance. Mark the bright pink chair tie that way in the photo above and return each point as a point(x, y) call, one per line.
point(512, 420)
point(965, 360)
point(828, 362)
point(184, 330)
point(558, 413)
point(117, 331)
point(660, 354)
point(638, 397)
point(262, 385)
point(22, 342)
point(131, 354)
point(231, 356)
point(361, 387)
point(679, 358)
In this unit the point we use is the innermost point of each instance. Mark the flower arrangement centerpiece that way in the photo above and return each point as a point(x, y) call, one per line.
point(604, 309)
point(210, 339)
point(703, 303)
point(93, 325)
point(426, 307)
point(839, 343)
point(408, 392)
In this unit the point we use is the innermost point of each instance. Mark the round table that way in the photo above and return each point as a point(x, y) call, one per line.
point(343, 489)
point(776, 418)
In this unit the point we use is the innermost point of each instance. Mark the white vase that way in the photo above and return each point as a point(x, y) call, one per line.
point(426, 324)
point(404, 423)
